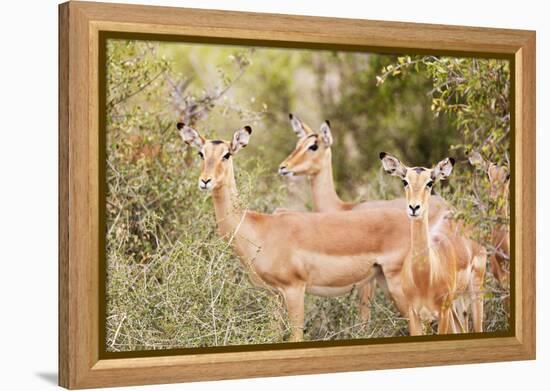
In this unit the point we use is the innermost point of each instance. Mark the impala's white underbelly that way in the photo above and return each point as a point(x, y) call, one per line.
point(332, 291)
point(336, 275)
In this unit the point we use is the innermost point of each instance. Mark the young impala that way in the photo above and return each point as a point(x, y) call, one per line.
point(326, 254)
point(312, 157)
point(499, 179)
point(440, 262)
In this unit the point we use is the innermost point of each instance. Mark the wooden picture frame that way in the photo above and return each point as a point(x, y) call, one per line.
point(81, 25)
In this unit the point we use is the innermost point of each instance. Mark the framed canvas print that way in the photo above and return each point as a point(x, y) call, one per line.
point(248, 195)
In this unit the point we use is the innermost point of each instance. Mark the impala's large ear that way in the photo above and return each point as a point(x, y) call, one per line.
point(190, 136)
point(392, 165)
point(240, 139)
point(443, 169)
point(298, 126)
point(497, 173)
point(326, 134)
point(477, 161)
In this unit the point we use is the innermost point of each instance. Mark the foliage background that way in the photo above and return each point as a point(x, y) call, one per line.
point(171, 282)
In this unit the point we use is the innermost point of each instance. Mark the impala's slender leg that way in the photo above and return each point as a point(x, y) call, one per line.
point(445, 317)
point(477, 314)
point(496, 263)
point(294, 299)
point(477, 292)
point(460, 316)
point(366, 292)
point(496, 269)
point(415, 325)
point(393, 280)
point(455, 324)
point(466, 312)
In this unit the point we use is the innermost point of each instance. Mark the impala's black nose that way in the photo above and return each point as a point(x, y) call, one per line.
point(283, 171)
point(414, 209)
point(205, 184)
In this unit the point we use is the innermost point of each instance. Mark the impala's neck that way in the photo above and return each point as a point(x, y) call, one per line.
point(504, 209)
point(420, 246)
point(228, 214)
point(235, 224)
point(323, 192)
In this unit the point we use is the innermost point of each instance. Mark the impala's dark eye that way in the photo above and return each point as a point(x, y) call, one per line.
point(405, 183)
point(313, 147)
point(430, 183)
point(201, 155)
point(227, 156)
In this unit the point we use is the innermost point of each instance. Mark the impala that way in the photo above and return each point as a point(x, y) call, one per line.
point(292, 253)
point(499, 179)
point(440, 262)
point(312, 157)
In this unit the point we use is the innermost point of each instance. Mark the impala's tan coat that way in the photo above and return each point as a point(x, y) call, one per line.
point(441, 263)
point(291, 252)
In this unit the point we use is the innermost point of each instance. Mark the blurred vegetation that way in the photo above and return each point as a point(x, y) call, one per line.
point(171, 282)
point(474, 94)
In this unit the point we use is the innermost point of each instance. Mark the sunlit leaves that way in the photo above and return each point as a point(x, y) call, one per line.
point(474, 94)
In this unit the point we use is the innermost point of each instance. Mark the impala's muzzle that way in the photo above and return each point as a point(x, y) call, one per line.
point(283, 171)
point(414, 211)
point(205, 184)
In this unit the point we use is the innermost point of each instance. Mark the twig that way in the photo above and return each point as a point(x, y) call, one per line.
point(117, 331)
point(113, 103)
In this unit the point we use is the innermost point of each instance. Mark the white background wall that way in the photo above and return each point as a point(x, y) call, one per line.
point(28, 207)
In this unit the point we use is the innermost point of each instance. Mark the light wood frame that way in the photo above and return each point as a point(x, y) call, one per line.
point(80, 24)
